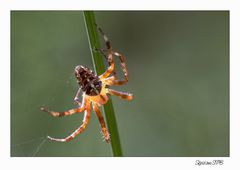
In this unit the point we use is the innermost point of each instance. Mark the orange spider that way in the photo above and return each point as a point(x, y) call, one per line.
point(95, 90)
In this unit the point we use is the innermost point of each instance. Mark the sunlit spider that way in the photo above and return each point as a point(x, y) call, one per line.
point(95, 90)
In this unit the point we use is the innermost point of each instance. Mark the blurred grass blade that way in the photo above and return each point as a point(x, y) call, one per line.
point(99, 68)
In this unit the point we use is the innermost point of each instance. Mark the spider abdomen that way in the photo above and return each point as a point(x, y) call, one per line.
point(88, 80)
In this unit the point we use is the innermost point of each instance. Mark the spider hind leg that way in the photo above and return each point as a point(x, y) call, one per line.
point(102, 123)
point(78, 130)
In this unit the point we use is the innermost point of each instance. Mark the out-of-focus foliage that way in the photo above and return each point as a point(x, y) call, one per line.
point(178, 65)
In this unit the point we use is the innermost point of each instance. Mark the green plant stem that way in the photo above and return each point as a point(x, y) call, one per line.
point(99, 68)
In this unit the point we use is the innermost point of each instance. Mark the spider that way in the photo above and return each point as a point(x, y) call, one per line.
point(95, 89)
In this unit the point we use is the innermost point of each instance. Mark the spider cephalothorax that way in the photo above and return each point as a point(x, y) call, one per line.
point(95, 90)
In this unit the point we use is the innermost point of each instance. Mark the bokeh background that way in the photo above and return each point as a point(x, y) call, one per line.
point(178, 65)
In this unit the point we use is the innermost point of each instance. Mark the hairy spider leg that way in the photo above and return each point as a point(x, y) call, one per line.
point(102, 123)
point(112, 80)
point(122, 95)
point(109, 69)
point(68, 112)
point(109, 57)
point(78, 130)
point(107, 42)
point(102, 51)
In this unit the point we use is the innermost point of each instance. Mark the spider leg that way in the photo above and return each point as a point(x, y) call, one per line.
point(78, 130)
point(110, 57)
point(102, 123)
point(107, 42)
point(124, 69)
point(109, 69)
point(66, 113)
point(110, 62)
point(122, 95)
point(76, 98)
point(102, 51)
point(112, 80)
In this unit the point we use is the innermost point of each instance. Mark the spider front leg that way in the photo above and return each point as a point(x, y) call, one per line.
point(102, 123)
point(68, 112)
point(110, 69)
point(122, 95)
point(109, 57)
point(113, 79)
point(102, 51)
point(107, 42)
point(110, 62)
point(78, 130)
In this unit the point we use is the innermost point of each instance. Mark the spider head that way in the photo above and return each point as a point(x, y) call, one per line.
point(88, 81)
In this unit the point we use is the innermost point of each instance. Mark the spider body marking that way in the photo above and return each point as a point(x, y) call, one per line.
point(95, 89)
point(88, 81)
point(91, 85)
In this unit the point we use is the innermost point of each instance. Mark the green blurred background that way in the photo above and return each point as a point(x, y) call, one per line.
point(178, 65)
